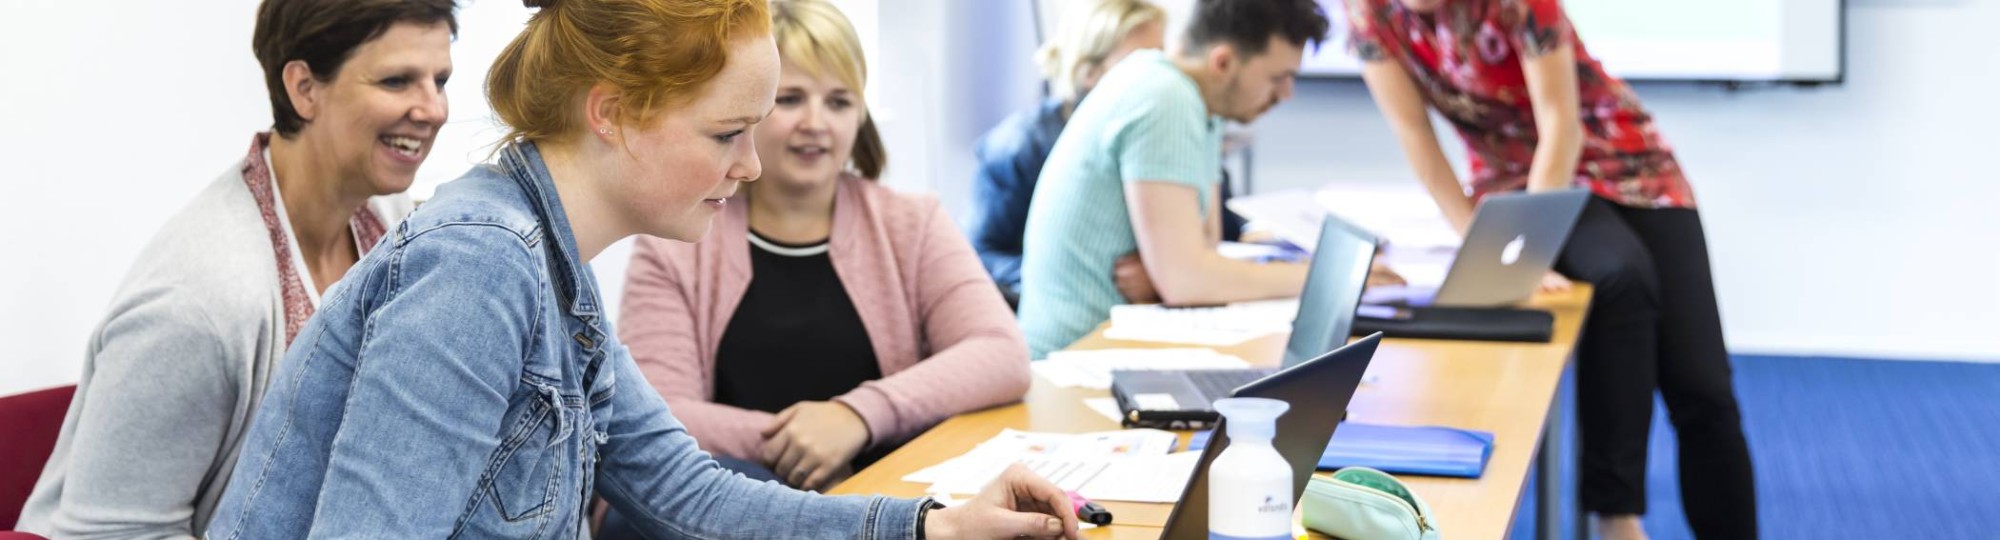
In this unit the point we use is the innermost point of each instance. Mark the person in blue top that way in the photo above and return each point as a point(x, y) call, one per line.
point(1138, 169)
point(1092, 36)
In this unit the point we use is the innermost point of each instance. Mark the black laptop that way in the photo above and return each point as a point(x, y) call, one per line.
point(1319, 391)
point(1180, 399)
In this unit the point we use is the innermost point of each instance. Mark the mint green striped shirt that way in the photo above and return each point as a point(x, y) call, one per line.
point(1144, 122)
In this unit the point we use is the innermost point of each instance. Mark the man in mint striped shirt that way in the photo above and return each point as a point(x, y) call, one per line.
point(1137, 170)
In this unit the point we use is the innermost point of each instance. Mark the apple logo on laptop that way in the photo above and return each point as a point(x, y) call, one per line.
point(1512, 253)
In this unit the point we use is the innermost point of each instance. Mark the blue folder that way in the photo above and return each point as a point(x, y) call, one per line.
point(1429, 450)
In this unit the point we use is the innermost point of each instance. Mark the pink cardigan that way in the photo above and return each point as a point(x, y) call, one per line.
point(946, 342)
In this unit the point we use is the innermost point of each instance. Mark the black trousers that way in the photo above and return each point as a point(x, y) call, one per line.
point(1653, 324)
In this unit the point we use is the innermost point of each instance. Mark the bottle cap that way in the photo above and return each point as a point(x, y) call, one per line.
point(1251, 419)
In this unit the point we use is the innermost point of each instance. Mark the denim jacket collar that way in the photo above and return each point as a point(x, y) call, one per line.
point(523, 163)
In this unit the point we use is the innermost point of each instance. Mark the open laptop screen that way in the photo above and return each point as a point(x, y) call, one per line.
point(1333, 289)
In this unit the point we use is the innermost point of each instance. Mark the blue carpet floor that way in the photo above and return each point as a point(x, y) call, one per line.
point(1843, 449)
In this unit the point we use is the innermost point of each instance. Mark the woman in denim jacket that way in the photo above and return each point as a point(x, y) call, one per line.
point(462, 382)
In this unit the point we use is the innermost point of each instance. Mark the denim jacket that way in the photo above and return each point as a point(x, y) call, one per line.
point(462, 382)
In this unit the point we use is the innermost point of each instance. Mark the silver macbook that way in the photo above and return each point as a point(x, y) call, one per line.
point(1514, 241)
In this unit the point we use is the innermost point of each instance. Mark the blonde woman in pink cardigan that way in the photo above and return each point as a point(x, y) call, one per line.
point(826, 319)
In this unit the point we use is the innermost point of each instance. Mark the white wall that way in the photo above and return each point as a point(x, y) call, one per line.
point(1849, 220)
point(947, 72)
point(108, 123)
point(1853, 220)
point(112, 116)
point(104, 131)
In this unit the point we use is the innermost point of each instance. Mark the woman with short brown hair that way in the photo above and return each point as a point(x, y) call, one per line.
point(180, 363)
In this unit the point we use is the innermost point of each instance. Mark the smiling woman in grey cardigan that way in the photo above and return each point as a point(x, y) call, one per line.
point(181, 360)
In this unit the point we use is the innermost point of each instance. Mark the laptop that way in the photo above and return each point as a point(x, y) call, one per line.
point(1513, 242)
point(1180, 399)
point(1319, 391)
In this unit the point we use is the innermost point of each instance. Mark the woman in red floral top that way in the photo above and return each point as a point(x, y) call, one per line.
point(1538, 113)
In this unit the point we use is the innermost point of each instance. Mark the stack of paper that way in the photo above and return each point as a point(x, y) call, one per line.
point(1210, 326)
point(1153, 479)
point(1292, 214)
point(1129, 465)
point(1092, 369)
point(1256, 252)
point(1403, 216)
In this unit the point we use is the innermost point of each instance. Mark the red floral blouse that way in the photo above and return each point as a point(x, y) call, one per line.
point(1466, 59)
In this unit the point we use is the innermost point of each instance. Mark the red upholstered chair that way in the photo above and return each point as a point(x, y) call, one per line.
point(29, 424)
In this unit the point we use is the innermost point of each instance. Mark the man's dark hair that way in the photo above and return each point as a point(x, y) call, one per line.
point(324, 34)
point(1248, 25)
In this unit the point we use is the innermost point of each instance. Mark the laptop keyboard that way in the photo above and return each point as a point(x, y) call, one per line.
point(1218, 383)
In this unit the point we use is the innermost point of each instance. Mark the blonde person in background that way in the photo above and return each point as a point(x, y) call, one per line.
point(462, 381)
point(181, 361)
point(1091, 37)
point(827, 319)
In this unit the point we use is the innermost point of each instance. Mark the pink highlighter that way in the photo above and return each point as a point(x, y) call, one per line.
point(1088, 512)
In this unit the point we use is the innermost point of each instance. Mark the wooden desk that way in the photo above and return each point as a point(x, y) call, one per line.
point(1504, 388)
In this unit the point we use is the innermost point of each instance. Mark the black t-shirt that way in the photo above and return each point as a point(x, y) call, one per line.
point(795, 337)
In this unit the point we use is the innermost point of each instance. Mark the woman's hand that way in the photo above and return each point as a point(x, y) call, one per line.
point(1379, 275)
point(1018, 504)
point(1260, 236)
point(810, 444)
point(1553, 282)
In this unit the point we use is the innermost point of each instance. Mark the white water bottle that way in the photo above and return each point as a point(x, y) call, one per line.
point(1250, 485)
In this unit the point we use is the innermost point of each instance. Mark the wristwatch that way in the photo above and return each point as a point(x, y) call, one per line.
point(925, 512)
